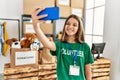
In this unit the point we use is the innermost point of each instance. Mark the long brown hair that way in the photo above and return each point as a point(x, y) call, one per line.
point(80, 33)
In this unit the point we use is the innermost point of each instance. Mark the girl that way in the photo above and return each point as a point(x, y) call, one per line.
point(74, 56)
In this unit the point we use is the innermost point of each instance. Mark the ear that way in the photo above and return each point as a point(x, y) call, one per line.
point(27, 35)
point(34, 36)
point(9, 42)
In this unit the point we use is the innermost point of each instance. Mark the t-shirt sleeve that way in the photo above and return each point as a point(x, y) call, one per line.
point(57, 44)
point(88, 55)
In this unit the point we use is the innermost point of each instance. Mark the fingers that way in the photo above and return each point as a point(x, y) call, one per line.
point(41, 21)
point(38, 10)
point(42, 16)
point(35, 13)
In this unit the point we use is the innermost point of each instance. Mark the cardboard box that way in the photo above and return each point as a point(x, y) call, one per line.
point(23, 57)
point(102, 78)
point(47, 28)
point(45, 57)
point(77, 3)
point(30, 5)
point(65, 11)
point(28, 27)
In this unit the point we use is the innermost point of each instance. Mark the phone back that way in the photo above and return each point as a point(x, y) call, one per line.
point(53, 13)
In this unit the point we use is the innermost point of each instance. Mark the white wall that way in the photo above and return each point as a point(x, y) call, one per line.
point(11, 9)
point(112, 37)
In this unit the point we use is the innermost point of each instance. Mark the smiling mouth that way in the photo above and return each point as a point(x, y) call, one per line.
point(70, 30)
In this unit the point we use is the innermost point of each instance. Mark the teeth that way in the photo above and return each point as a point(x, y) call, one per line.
point(70, 30)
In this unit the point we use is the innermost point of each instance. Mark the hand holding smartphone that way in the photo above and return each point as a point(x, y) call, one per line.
point(52, 12)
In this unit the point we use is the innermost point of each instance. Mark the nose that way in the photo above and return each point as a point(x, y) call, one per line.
point(16, 43)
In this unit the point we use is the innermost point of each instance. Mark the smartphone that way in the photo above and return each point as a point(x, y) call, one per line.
point(53, 13)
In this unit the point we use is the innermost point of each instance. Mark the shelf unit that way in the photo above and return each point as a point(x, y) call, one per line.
point(27, 18)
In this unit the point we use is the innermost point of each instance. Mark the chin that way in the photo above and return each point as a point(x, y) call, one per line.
point(69, 34)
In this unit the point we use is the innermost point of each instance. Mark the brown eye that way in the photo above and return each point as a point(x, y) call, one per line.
point(75, 25)
point(67, 23)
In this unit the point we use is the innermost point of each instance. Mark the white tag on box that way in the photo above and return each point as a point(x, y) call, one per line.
point(23, 58)
point(77, 12)
point(64, 2)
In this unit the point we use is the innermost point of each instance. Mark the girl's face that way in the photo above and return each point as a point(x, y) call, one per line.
point(71, 27)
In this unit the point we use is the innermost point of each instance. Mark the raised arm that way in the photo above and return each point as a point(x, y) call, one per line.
point(40, 35)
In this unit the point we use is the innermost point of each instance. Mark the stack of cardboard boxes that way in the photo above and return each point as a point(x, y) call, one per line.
point(39, 72)
point(67, 7)
point(30, 65)
point(101, 69)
